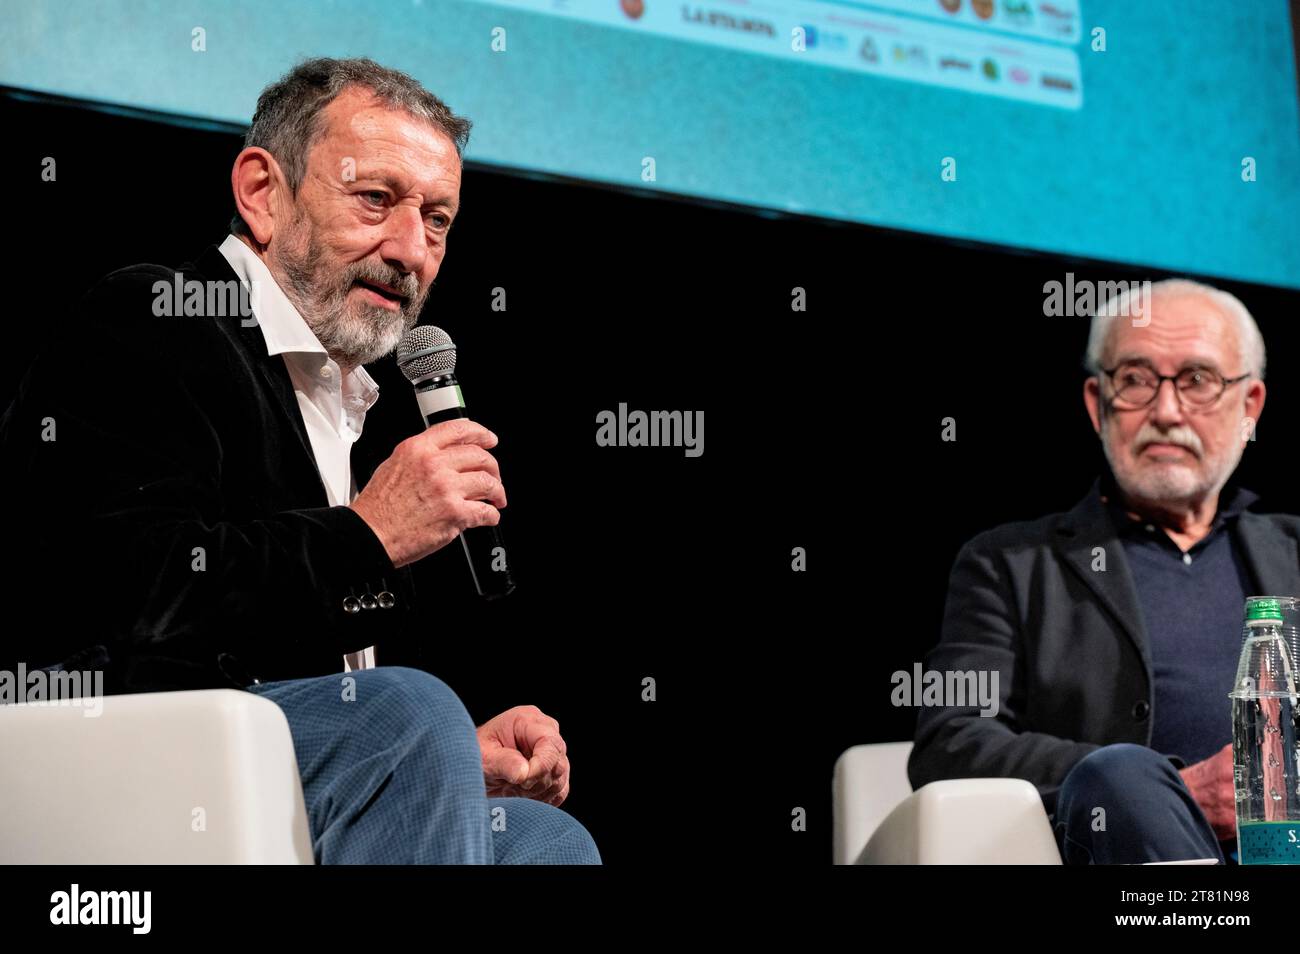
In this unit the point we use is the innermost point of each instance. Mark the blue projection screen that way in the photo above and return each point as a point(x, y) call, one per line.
point(1157, 132)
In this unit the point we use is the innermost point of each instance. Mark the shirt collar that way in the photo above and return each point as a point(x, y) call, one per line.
point(1233, 500)
point(283, 328)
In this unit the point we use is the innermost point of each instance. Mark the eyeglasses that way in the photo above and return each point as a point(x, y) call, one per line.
point(1136, 385)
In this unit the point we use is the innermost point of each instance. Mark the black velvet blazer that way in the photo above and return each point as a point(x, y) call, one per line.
point(175, 530)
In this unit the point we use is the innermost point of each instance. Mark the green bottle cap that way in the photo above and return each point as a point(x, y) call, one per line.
point(1266, 608)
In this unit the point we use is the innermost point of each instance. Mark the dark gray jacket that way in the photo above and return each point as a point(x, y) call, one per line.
point(1068, 643)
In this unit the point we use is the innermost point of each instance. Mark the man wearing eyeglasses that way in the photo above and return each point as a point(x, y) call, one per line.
point(1115, 627)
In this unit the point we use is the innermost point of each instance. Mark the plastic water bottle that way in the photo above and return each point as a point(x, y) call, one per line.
point(1264, 736)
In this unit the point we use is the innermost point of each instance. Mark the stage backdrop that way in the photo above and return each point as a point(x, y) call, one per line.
point(1161, 134)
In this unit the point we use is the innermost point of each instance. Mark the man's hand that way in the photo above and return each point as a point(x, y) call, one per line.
point(1211, 784)
point(524, 756)
point(433, 486)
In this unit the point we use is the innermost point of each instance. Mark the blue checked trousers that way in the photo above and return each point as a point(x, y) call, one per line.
point(395, 776)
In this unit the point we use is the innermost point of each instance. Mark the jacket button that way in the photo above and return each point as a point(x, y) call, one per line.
point(351, 604)
point(1141, 709)
point(386, 600)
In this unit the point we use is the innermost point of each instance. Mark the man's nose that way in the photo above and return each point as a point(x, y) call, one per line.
point(404, 245)
point(1167, 408)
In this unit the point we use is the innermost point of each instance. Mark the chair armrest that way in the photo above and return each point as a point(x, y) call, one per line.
point(979, 821)
point(197, 777)
point(866, 785)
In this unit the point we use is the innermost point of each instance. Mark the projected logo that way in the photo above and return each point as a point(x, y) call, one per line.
point(815, 36)
point(1018, 11)
point(1010, 49)
point(725, 20)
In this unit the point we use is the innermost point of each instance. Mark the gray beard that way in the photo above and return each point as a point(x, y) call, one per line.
point(1167, 488)
point(353, 335)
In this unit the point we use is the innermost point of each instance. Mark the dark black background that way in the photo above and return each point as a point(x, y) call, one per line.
point(823, 430)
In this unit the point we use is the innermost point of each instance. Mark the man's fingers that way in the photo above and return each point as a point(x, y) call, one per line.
point(468, 458)
point(551, 783)
point(461, 431)
point(537, 730)
point(548, 796)
point(506, 765)
point(480, 485)
point(547, 755)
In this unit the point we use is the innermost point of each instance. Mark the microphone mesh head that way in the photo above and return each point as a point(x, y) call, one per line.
point(426, 350)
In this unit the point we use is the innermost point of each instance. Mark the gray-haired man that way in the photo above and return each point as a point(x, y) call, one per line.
point(1115, 627)
point(213, 497)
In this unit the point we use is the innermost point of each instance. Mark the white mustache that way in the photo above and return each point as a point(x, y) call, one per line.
point(1178, 438)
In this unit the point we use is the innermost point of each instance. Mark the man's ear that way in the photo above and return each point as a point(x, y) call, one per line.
point(1092, 401)
point(1254, 405)
point(254, 180)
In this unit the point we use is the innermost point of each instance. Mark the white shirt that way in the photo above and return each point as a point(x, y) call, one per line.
point(333, 407)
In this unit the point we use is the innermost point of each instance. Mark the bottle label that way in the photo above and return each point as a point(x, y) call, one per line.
point(1269, 843)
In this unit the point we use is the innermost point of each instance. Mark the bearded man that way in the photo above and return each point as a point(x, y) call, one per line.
point(190, 514)
point(1115, 628)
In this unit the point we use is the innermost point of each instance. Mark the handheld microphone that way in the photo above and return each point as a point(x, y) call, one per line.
point(427, 357)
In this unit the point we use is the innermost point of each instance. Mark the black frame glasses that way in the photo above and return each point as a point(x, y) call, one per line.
point(1224, 384)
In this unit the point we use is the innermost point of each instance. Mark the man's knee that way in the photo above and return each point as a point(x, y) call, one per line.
point(533, 832)
point(573, 843)
point(1120, 758)
point(1112, 772)
point(413, 699)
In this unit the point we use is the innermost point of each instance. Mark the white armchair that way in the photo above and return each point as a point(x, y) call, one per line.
point(878, 819)
point(199, 777)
